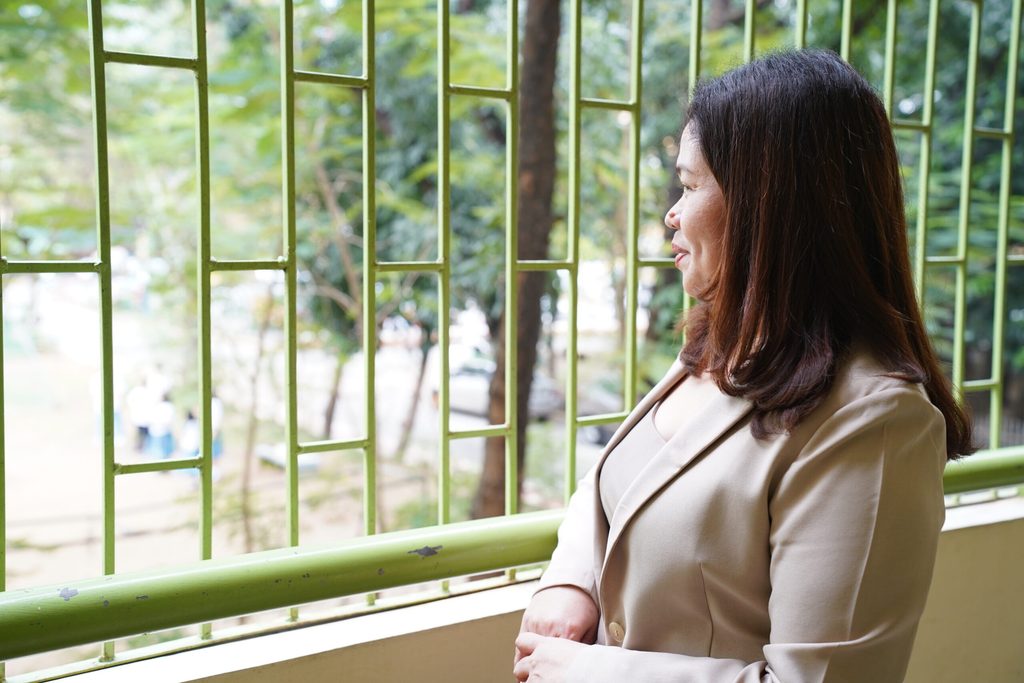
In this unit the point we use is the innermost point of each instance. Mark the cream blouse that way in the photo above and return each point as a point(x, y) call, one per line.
point(638, 446)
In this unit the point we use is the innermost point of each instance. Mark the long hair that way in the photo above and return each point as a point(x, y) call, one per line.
point(815, 254)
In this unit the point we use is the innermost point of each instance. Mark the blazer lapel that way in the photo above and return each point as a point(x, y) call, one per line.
point(674, 374)
point(716, 418)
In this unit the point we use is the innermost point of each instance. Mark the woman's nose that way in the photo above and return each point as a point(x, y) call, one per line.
point(672, 219)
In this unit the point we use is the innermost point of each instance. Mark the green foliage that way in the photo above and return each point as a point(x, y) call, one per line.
point(47, 176)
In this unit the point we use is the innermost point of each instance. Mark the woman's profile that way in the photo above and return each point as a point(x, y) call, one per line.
point(770, 510)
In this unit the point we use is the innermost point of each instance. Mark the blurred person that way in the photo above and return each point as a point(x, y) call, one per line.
point(139, 404)
point(216, 427)
point(188, 444)
point(161, 429)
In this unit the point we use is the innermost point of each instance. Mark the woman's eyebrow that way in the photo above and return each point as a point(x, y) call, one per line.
point(683, 168)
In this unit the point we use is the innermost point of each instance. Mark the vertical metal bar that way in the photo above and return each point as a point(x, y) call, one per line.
point(633, 201)
point(966, 168)
point(369, 271)
point(99, 102)
point(291, 427)
point(890, 56)
point(288, 211)
point(573, 255)
point(444, 254)
point(748, 30)
point(3, 469)
point(203, 273)
point(800, 37)
point(512, 415)
point(846, 30)
point(925, 157)
point(1002, 245)
point(696, 33)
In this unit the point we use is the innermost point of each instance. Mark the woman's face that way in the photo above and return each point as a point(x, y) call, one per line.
point(698, 219)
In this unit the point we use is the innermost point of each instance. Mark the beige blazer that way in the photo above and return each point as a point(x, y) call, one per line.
point(801, 558)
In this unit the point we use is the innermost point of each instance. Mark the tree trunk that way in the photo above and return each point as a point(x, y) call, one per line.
point(332, 400)
point(536, 186)
point(250, 431)
point(410, 416)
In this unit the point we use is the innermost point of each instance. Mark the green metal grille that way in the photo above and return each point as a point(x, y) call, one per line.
point(35, 620)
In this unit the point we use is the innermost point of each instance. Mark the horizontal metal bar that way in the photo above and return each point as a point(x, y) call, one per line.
point(613, 105)
point(985, 470)
point(279, 263)
point(328, 446)
point(65, 615)
point(908, 124)
point(474, 91)
point(655, 262)
point(980, 384)
point(996, 133)
point(944, 261)
point(188, 63)
point(157, 466)
point(1015, 258)
point(545, 265)
point(409, 266)
point(13, 267)
point(358, 82)
point(603, 419)
point(493, 430)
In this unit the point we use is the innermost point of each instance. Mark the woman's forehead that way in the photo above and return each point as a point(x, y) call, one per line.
point(690, 158)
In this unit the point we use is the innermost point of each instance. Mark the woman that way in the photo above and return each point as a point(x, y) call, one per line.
point(770, 510)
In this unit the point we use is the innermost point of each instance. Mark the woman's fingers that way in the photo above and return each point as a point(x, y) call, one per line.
point(521, 670)
point(544, 658)
point(521, 651)
point(526, 642)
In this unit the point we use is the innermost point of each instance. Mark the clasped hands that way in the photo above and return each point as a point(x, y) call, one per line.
point(557, 625)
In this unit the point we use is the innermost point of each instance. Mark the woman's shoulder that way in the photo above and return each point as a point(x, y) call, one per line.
point(862, 377)
point(868, 400)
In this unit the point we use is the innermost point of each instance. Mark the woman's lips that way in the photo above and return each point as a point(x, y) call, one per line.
point(680, 256)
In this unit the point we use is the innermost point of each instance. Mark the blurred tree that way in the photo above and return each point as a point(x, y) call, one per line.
point(536, 184)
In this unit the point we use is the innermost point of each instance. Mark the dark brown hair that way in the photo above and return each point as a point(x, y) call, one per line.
point(815, 254)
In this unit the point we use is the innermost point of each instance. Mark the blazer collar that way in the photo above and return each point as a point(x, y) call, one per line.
point(714, 420)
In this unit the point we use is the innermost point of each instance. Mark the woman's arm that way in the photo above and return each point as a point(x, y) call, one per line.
point(572, 562)
point(565, 604)
point(854, 529)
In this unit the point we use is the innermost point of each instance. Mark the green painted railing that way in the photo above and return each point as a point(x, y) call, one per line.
point(40, 619)
point(120, 604)
point(986, 470)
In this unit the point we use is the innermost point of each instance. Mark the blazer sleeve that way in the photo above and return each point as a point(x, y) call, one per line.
point(854, 520)
point(573, 561)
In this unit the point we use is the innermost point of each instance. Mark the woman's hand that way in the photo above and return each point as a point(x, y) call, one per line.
point(544, 659)
point(563, 612)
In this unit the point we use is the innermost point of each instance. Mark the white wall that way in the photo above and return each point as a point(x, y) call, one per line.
point(973, 625)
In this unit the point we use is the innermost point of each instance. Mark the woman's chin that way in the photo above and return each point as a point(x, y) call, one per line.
point(694, 289)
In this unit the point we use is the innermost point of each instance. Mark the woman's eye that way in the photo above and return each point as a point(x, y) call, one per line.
point(687, 188)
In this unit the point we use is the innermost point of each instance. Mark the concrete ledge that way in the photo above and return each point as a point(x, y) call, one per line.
point(461, 639)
